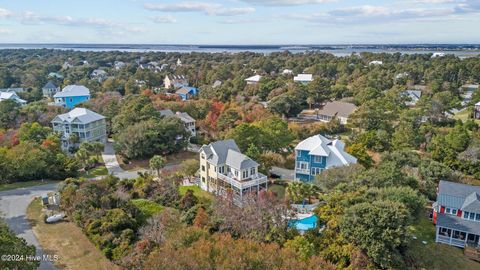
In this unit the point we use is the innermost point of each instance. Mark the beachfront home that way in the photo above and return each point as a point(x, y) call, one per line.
point(72, 95)
point(476, 111)
point(85, 125)
point(412, 97)
point(253, 80)
point(11, 95)
point(456, 214)
point(175, 81)
point(225, 171)
point(316, 154)
point(50, 89)
point(335, 109)
point(184, 117)
point(187, 92)
point(303, 78)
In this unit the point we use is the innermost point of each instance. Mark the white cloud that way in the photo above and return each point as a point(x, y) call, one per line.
point(207, 8)
point(4, 13)
point(285, 2)
point(164, 19)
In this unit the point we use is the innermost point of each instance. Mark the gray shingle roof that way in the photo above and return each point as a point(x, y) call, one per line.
point(457, 195)
point(338, 108)
point(82, 114)
point(457, 223)
point(227, 152)
point(73, 91)
point(166, 113)
point(50, 85)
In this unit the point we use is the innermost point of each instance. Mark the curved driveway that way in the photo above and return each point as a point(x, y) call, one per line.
point(13, 209)
point(111, 163)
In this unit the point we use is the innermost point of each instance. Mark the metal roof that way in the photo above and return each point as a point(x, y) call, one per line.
point(73, 91)
point(83, 115)
point(338, 108)
point(227, 152)
point(457, 223)
point(334, 150)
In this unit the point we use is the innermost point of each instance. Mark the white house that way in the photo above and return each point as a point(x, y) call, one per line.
point(376, 62)
point(287, 72)
point(412, 96)
point(99, 74)
point(316, 154)
point(50, 89)
point(10, 95)
point(226, 172)
point(175, 81)
point(438, 54)
point(303, 78)
point(86, 125)
point(184, 117)
point(253, 80)
point(119, 65)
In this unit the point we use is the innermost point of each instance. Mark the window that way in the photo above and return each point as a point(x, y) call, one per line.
point(299, 153)
point(245, 174)
point(214, 169)
point(316, 171)
point(477, 217)
point(448, 210)
point(252, 171)
point(221, 169)
point(454, 211)
point(67, 129)
point(472, 216)
point(203, 168)
point(301, 165)
point(203, 179)
point(202, 156)
point(466, 214)
point(71, 99)
point(318, 159)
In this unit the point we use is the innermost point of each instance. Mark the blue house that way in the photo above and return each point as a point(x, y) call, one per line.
point(316, 154)
point(72, 95)
point(187, 92)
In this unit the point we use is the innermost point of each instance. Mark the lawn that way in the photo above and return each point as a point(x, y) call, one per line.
point(279, 190)
point(173, 159)
point(4, 187)
point(464, 116)
point(148, 208)
point(67, 241)
point(95, 172)
point(433, 255)
point(198, 192)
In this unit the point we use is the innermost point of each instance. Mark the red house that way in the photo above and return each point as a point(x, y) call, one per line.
point(456, 214)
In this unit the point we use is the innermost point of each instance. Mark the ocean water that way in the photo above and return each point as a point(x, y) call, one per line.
point(460, 50)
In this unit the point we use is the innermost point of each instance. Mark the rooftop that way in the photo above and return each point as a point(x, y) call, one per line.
point(49, 85)
point(303, 78)
point(255, 78)
point(338, 108)
point(227, 152)
point(82, 114)
point(460, 196)
point(318, 145)
point(73, 91)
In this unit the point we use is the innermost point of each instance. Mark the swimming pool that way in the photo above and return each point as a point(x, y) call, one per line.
point(304, 224)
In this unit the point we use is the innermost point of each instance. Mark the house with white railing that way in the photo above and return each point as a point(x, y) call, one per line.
point(226, 172)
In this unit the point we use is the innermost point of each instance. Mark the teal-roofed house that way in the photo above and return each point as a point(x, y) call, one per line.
point(72, 95)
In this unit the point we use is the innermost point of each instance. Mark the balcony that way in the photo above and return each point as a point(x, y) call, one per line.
point(303, 171)
point(246, 183)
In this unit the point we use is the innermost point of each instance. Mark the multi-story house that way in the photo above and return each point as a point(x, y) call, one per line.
point(316, 154)
point(476, 111)
point(303, 78)
point(85, 125)
point(225, 171)
point(175, 81)
point(456, 214)
point(50, 89)
point(187, 92)
point(186, 119)
point(72, 95)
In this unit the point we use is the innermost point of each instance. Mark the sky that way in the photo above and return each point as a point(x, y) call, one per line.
point(241, 22)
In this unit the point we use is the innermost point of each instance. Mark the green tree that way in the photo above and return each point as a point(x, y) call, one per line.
point(301, 246)
point(9, 112)
point(157, 163)
point(13, 245)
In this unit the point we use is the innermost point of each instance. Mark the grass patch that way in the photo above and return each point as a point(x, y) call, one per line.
point(95, 172)
point(198, 192)
point(144, 164)
point(66, 240)
point(148, 208)
point(9, 186)
point(434, 255)
point(279, 190)
point(465, 115)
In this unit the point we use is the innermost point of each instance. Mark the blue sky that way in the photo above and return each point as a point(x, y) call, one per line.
point(240, 21)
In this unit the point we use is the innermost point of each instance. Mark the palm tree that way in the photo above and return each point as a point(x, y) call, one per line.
point(157, 163)
point(294, 191)
point(82, 156)
point(310, 101)
point(310, 191)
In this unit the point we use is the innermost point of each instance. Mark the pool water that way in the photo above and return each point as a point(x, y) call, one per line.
point(304, 224)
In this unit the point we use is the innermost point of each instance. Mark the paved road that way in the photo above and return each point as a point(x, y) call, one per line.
point(13, 208)
point(112, 165)
point(285, 174)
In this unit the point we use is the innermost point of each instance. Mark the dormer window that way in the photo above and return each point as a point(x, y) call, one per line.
point(252, 171)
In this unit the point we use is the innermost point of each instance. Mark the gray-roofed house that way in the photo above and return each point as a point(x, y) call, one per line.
point(412, 97)
point(72, 95)
point(86, 125)
point(184, 117)
point(331, 110)
point(456, 214)
point(476, 111)
point(50, 89)
point(6, 94)
point(226, 172)
point(99, 74)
